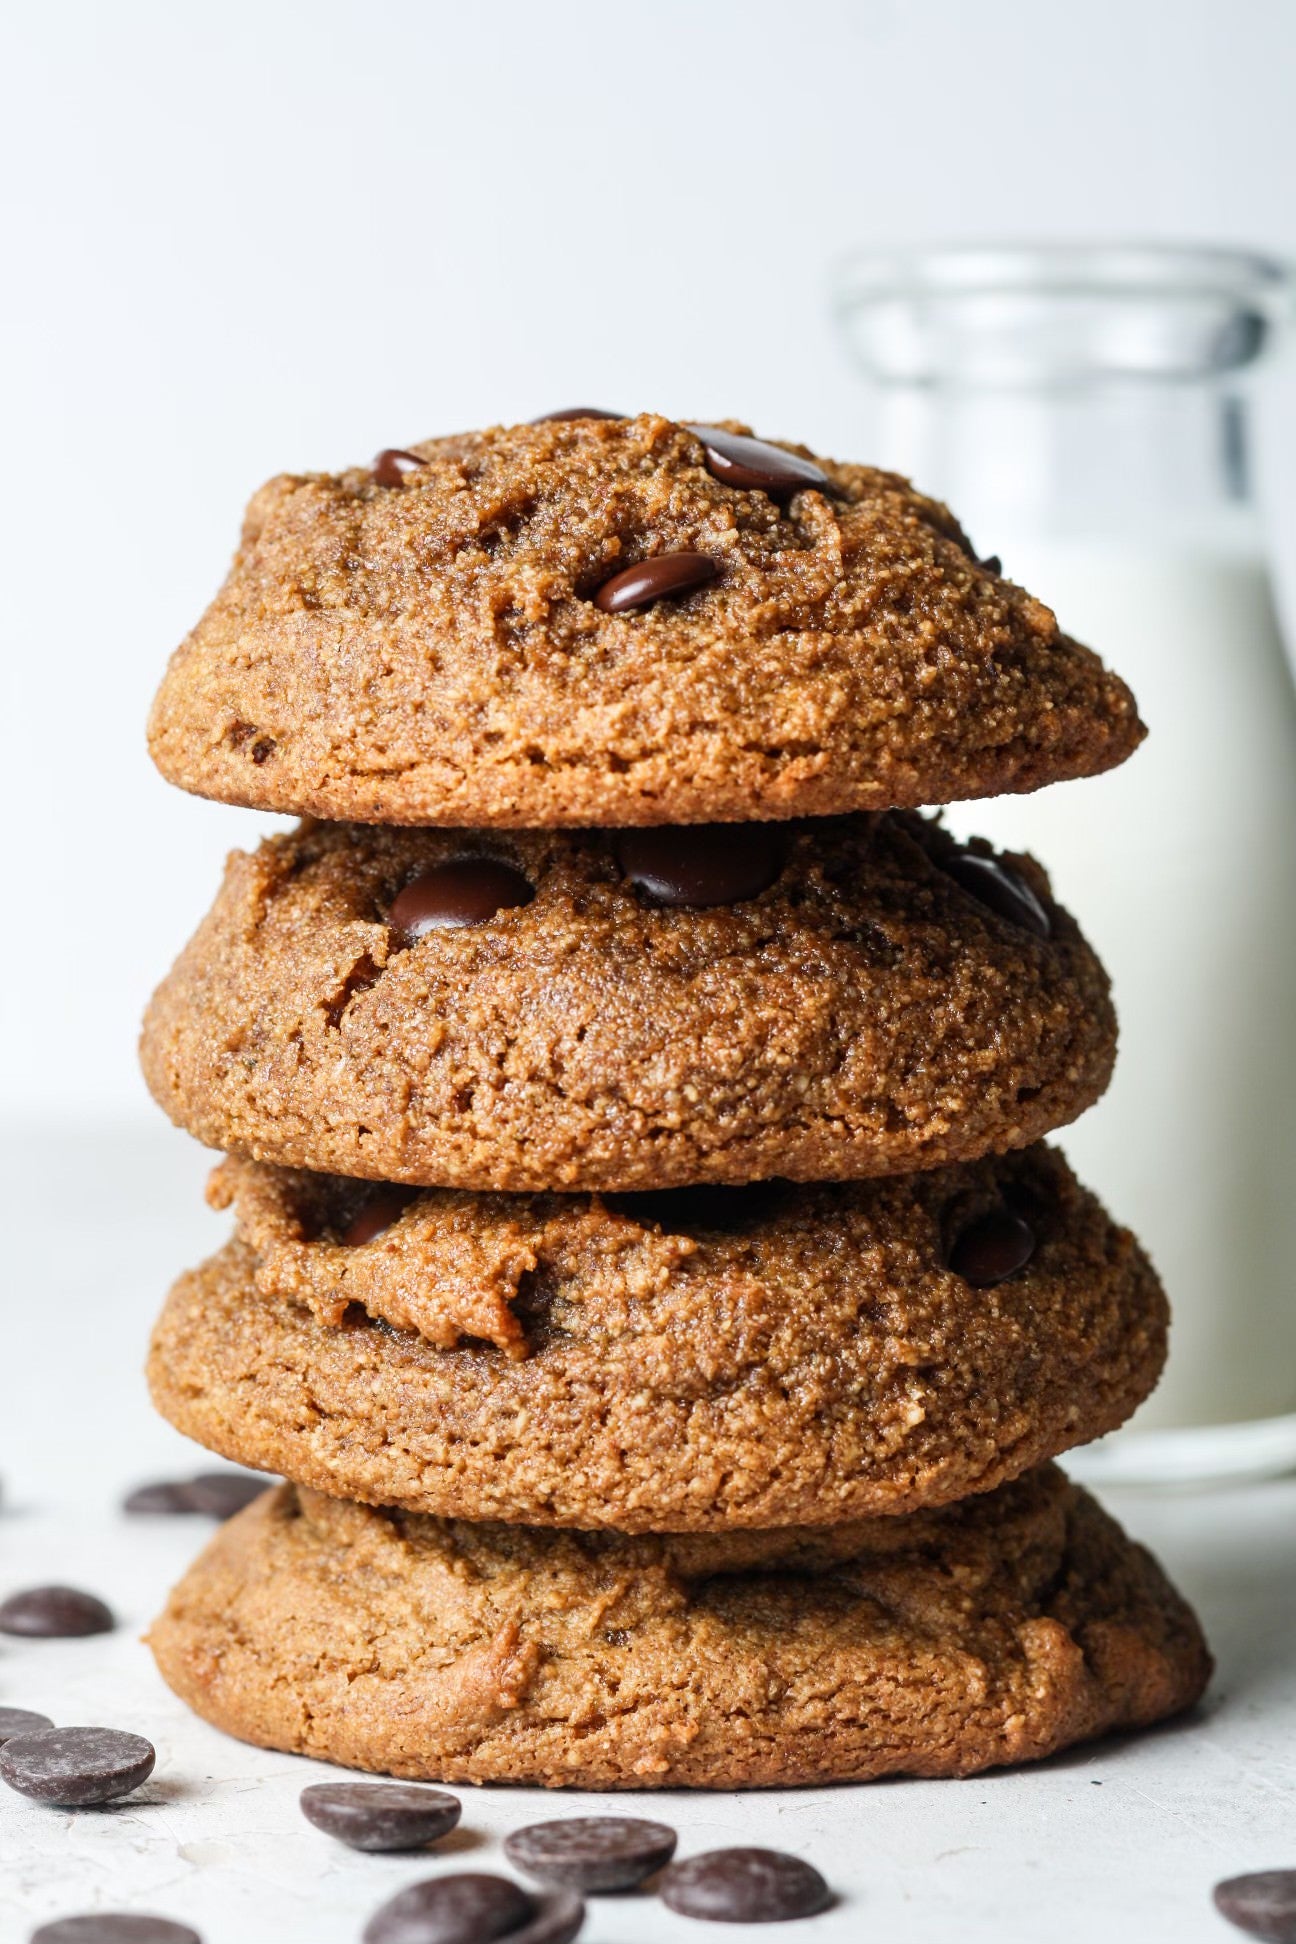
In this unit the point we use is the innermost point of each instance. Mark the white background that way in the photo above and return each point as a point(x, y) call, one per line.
point(260, 236)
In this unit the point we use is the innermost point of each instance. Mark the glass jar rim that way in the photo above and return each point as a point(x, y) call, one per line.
point(1133, 269)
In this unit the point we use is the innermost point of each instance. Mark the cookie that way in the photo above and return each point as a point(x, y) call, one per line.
point(997, 1631)
point(593, 621)
point(691, 1361)
point(536, 1010)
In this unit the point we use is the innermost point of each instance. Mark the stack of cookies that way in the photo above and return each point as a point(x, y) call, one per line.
point(647, 1268)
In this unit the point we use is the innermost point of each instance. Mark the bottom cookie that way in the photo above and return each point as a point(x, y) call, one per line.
point(938, 1643)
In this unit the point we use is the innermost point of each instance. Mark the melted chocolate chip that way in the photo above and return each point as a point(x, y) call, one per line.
point(745, 1886)
point(73, 1767)
point(998, 888)
point(992, 1248)
point(466, 891)
point(593, 1854)
point(575, 412)
point(54, 1613)
point(1262, 1904)
point(651, 580)
point(736, 460)
point(380, 1816)
point(393, 464)
point(693, 1211)
point(376, 1215)
point(702, 864)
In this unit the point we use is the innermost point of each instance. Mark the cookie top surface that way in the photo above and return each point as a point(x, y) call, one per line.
point(697, 1360)
point(875, 999)
point(433, 651)
point(940, 1644)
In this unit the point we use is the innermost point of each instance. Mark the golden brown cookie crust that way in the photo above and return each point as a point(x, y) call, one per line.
point(431, 653)
point(754, 1358)
point(865, 1014)
point(998, 1631)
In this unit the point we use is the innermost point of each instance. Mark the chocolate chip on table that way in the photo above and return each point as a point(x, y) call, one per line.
point(380, 1815)
point(737, 460)
point(219, 1495)
point(74, 1767)
point(998, 888)
point(21, 1721)
point(164, 1496)
point(702, 864)
point(114, 1927)
point(54, 1613)
point(392, 465)
point(992, 1248)
point(575, 412)
point(466, 891)
point(1262, 1904)
point(591, 1853)
point(473, 1908)
point(745, 1886)
point(652, 579)
point(376, 1215)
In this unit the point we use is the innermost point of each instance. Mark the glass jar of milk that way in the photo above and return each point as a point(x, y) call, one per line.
point(1083, 412)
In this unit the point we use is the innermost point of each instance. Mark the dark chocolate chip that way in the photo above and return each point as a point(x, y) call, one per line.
point(392, 465)
point(466, 891)
point(575, 412)
point(73, 1767)
point(54, 1613)
point(991, 564)
point(219, 1495)
point(702, 864)
point(992, 1248)
point(473, 1908)
point(263, 749)
point(999, 889)
point(377, 1214)
point(21, 1721)
point(161, 1495)
point(591, 1853)
point(380, 1815)
point(745, 1886)
point(693, 1211)
point(736, 460)
point(114, 1927)
point(1262, 1904)
point(651, 580)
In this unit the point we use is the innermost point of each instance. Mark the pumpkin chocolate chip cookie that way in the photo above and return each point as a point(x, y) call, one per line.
point(605, 1010)
point(620, 621)
point(697, 1360)
point(995, 1631)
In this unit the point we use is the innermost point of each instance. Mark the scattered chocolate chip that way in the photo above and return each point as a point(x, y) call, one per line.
point(219, 1495)
point(74, 1767)
point(466, 891)
point(702, 864)
point(380, 1815)
point(999, 889)
point(162, 1495)
point(54, 1613)
point(692, 1211)
point(21, 1721)
point(591, 1853)
point(473, 1908)
point(651, 580)
point(114, 1927)
point(745, 1886)
point(575, 412)
point(377, 1214)
point(392, 465)
point(1263, 1904)
point(736, 460)
point(992, 1248)
point(991, 564)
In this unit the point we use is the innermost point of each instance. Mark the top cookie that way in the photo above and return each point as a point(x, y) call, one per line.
point(467, 645)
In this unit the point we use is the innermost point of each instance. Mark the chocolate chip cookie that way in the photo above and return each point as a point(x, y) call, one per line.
point(697, 1360)
point(616, 621)
point(939, 1644)
point(599, 1010)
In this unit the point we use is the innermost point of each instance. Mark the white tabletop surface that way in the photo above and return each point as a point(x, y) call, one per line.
point(1118, 1841)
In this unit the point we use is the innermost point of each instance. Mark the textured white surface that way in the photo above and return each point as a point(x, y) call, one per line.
point(1119, 1841)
